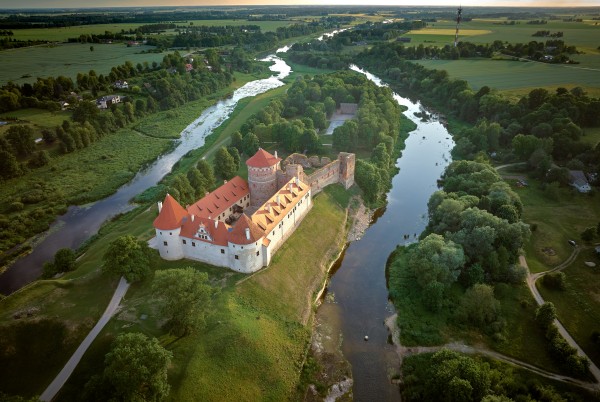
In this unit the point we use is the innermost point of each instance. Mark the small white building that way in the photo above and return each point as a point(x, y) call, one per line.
point(121, 84)
point(105, 101)
point(578, 180)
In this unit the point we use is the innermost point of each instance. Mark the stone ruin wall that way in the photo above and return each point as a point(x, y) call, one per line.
point(329, 172)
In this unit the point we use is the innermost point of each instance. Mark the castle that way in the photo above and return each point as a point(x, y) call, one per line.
point(241, 224)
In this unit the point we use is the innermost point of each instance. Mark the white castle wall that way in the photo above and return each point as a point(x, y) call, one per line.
point(169, 244)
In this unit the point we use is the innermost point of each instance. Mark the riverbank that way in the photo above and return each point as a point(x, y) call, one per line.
point(93, 173)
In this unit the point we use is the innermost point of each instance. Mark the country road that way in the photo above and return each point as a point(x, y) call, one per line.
point(67, 370)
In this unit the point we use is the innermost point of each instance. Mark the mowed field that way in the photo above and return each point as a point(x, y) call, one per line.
point(25, 64)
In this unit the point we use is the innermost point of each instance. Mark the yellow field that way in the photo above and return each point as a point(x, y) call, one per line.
point(463, 32)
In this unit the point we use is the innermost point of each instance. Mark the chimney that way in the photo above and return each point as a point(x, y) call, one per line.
point(278, 203)
point(216, 223)
point(275, 154)
point(297, 181)
point(206, 194)
point(159, 206)
point(224, 181)
point(247, 233)
point(193, 216)
point(290, 187)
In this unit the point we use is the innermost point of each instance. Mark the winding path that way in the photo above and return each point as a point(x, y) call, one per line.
point(531, 280)
point(67, 370)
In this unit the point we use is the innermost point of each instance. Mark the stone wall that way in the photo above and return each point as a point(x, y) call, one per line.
point(325, 176)
point(340, 170)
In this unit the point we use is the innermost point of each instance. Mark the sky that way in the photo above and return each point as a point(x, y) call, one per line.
point(130, 3)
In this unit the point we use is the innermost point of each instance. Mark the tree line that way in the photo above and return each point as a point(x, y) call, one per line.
point(542, 128)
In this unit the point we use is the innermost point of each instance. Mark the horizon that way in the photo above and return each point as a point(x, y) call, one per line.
point(79, 4)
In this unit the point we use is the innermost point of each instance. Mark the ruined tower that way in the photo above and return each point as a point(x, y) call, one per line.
point(347, 162)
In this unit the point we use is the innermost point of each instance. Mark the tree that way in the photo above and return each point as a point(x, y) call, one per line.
point(588, 234)
point(9, 167)
point(129, 257)
point(207, 172)
point(21, 139)
point(39, 159)
point(64, 259)
point(380, 156)
point(236, 141)
point(224, 164)
point(545, 315)
point(85, 111)
point(235, 154)
point(186, 298)
point(436, 259)
point(478, 305)
point(136, 368)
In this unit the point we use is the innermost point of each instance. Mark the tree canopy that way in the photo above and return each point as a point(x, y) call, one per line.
point(129, 257)
point(185, 296)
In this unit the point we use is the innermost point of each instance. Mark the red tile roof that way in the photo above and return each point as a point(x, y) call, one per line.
point(219, 201)
point(279, 205)
point(218, 234)
point(238, 234)
point(262, 159)
point(171, 215)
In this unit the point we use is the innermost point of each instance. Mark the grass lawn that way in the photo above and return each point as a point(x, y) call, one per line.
point(523, 339)
point(578, 307)
point(253, 346)
point(558, 220)
point(26, 64)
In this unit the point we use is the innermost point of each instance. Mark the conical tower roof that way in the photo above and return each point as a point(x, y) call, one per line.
point(171, 215)
point(262, 159)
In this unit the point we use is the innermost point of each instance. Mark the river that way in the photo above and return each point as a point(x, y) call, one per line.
point(79, 223)
point(358, 294)
point(360, 303)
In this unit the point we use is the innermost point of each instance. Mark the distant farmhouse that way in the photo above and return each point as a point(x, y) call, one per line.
point(121, 84)
point(105, 101)
point(243, 223)
point(578, 180)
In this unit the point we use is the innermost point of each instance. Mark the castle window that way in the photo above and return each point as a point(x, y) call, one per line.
point(222, 251)
point(193, 244)
point(160, 232)
point(164, 243)
point(184, 241)
point(257, 253)
point(170, 234)
point(242, 247)
point(237, 257)
point(273, 233)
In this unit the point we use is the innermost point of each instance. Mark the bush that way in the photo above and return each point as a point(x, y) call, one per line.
point(555, 281)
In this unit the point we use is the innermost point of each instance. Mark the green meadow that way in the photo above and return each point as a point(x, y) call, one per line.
point(518, 76)
point(26, 64)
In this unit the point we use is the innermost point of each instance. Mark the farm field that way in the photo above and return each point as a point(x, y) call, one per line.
point(62, 34)
point(581, 34)
point(25, 64)
point(508, 75)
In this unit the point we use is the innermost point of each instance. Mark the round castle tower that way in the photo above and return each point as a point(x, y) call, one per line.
point(262, 176)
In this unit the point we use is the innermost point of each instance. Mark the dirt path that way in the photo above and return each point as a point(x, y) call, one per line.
point(531, 280)
point(405, 351)
point(67, 370)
